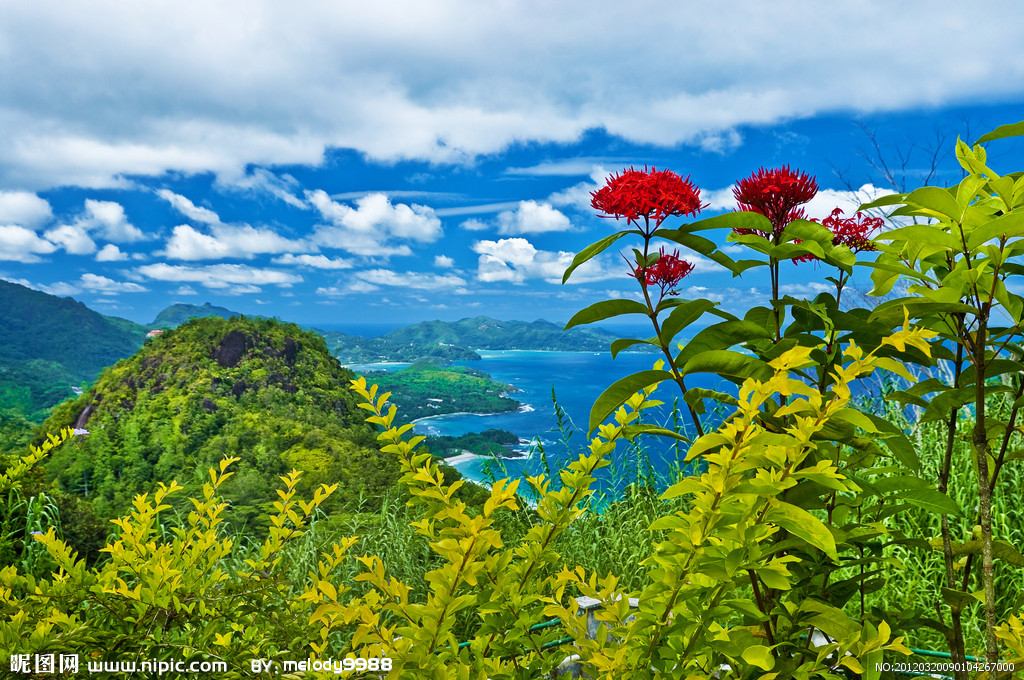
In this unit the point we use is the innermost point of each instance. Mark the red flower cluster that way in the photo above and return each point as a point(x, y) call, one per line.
point(853, 232)
point(666, 272)
point(775, 194)
point(653, 195)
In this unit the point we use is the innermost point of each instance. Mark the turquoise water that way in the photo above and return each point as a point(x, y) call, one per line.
point(577, 378)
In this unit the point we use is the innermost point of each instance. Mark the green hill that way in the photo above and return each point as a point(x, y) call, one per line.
point(266, 392)
point(456, 340)
point(180, 313)
point(50, 345)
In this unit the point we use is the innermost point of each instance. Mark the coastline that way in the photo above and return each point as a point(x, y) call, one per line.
point(522, 408)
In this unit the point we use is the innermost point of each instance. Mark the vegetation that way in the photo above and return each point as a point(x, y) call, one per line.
point(455, 341)
point(427, 390)
point(264, 392)
point(180, 313)
point(50, 345)
point(487, 443)
point(795, 549)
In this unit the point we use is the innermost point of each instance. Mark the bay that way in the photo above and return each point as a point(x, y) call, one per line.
point(577, 379)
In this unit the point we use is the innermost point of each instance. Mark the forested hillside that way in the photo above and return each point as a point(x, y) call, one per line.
point(456, 340)
point(49, 345)
point(267, 392)
point(177, 314)
point(427, 390)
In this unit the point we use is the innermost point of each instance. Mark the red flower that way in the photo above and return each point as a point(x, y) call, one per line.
point(852, 232)
point(653, 195)
point(775, 194)
point(666, 272)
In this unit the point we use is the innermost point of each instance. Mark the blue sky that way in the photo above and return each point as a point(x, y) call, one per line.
point(336, 163)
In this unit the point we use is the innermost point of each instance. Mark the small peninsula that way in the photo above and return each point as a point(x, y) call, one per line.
point(425, 389)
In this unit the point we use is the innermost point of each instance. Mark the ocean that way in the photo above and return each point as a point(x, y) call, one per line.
point(577, 379)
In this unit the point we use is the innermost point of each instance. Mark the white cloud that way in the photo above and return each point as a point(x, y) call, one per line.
point(474, 224)
point(102, 284)
point(58, 288)
point(579, 195)
point(449, 82)
point(24, 208)
point(22, 245)
point(219, 276)
point(806, 290)
point(531, 217)
point(719, 199)
point(73, 238)
point(515, 260)
point(443, 261)
point(184, 290)
point(260, 181)
point(99, 219)
point(188, 208)
point(227, 240)
point(411, 280)
point(110, 253)
point(107, 220)
point(315, 261)
point(348, 289)
point(373, 226)
point(826, 200)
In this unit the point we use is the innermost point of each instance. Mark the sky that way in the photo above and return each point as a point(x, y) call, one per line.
point(340, 163)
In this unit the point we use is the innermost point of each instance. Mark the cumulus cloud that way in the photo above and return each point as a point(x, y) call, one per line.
point(315, 261)
point(374, 225)
point(188, 208)
point(218, 276)
point(448, 83)
point(227, 240)
point(102, 284)
point(99, 220)
point(110, 253)
point(579, 195)
point(73, 238)
point(59, 288)
point(24, 208)
point(473, 224)
point(443, 262)
point(411, 280)
point(515, 260)
point(531, 217)
point(22, 245)
point(261, 181)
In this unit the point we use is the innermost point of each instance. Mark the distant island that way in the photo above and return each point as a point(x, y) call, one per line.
point(425, 389)
point(457, 340)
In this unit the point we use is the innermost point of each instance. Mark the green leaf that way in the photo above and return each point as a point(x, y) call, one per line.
point(722, 336)
point(682, 316)
point(896, 439)
point(708, 249)
point(730, 220)
point(936, 200)
point(621, 390)
point(727, 363)
point(1010, 225)
point(760, 656)
point(595, 249)
point(803, 524)
point(932, 500)
point(624, 343)
point(924, 233)
point(632, 431)
point(1003, 131)
point(605, 310)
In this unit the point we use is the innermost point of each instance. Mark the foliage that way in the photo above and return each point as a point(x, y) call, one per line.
point(487, 443)
point(426, 390)
point(447, 341)
point(265, 392)
point(49, 345)
point(164, 592)
point(180, 313)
